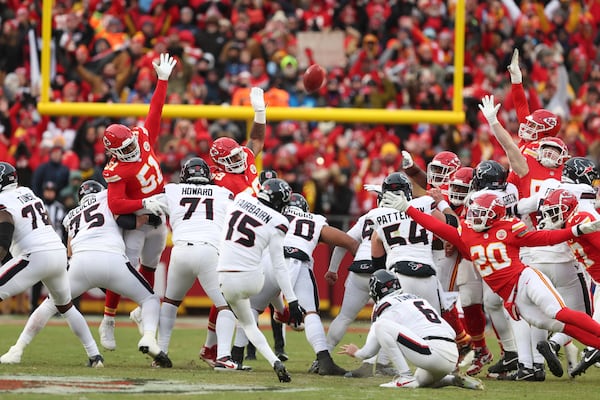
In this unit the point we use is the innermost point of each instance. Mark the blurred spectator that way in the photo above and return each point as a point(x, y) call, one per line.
point(51, 171)
point(69, 194)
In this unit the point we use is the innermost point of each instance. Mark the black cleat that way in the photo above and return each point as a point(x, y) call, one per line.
point(327, 366)
point(96, 361)
point(281, 372)
point(521, 374)
point(508, 363)
point(282, 356)
point(162, 361)
point(590, 357)
point(554, 364)
point(314, 367)
point(539, 373)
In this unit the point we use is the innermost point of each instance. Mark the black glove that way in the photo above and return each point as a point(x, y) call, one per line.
point(296, 313)
point(154, 220)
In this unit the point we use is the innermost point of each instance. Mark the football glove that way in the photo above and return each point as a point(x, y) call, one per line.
point(296, 314)
point(369, 187)
point(257, 98)
point(154, 220)
point(513, 68)
point(588, 227)
point(407, 160)
point(154, 205)
point(165, 66)
point(396, 201)
point(489, 110)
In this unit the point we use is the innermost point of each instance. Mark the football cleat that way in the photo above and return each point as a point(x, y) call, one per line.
point(209, 355)
point(402, 381)
point(549, 354)
point(521, 374)
point(467, 382)
point(281, 372)
point(96, 362)
point(148, 345)
point(107, 333)
point(327, 366)
point(508, 363)
point(482, 357)
point(136, 316)
point(463, 351)
point(282, 356)
point(590, 357)
point(227, 364)
point(314, 367)
point(12, 356)
point(539, 372)
point(571, 352)
point(162, 361)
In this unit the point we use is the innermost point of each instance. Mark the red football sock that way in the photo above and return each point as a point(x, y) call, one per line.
point(148, 274)
point(475, 324)
point(451, 316)
point(582, 335)
point(111, 303)
point(212, 318)
point(579, 319)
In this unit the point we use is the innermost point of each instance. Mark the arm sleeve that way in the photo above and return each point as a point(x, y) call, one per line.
point(336, 258)
point(544, 237)
point(370, 348)
point(279, 267)
point(442, 230)
point(152, 123)
point(527, 205)
point(127, 221)
point(520, 101)
point(118, 202)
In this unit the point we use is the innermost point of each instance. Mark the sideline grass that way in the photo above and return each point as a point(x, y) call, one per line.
point(57, 352)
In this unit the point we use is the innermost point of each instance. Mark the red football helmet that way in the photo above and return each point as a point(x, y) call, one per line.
point(460, 185)
point(557, 208)
point(552, 152)
point(229, 155)
point(541, 123)
point(484, 211)
point(441, 168)
point(121, 142)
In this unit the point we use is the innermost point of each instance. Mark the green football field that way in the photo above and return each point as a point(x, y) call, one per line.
point(54, 367)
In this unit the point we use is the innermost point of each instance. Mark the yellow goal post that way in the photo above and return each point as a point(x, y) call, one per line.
point(348, 115)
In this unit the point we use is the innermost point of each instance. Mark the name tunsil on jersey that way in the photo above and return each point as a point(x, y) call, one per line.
point(24, 198)
point(197, 191)
point(254, 210)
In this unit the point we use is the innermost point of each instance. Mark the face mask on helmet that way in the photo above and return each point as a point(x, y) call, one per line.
point(121, 142)
point(484, 211)
point(441, 168)
point(460, 186)
point(557, 208)
point(541, 123)
point(551, 153)
point(229, 155)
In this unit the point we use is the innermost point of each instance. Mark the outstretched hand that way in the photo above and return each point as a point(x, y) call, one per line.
point(257, 98)
point(513, 68)
point(164, 67)
point(395, 201)
point(489, 110)
point(407, 160)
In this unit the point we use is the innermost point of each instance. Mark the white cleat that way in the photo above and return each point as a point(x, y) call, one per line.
point(402, 381)
point(571, 353)
point(136, 316)
point(107, 333)
point(12, 356)
point(467, 382)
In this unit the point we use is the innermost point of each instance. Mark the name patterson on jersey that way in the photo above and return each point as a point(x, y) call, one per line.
point(393, 217)
point(196, 191)
point(254, 210)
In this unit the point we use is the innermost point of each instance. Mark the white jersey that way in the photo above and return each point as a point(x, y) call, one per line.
point(303, 236)
point(509, 196)
point(403, 238)
point(249, 226)
point(413, 312)
point(197, 212)
point(91, 226)
point(361, 232)
point(33, 229)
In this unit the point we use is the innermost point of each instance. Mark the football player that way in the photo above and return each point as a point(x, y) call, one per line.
point(560, 208)
point(38, 255)
point(408, 328)
point(97, 259)
point(492, 242)
point(235, 169)
point(196, 209)
point(133, 175)
point(254, 224)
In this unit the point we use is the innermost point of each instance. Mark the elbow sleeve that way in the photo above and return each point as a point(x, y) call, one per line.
point(127, 221)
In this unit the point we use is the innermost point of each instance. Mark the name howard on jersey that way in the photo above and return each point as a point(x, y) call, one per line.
point(86, 202)
point(24, 198)
point(394, 216)
point(254, 210)
point(196, 191)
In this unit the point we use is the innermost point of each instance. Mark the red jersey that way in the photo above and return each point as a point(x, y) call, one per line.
point(495, 252)
point(130, 182)
point(537, 174)
point(585, 248)
point(237, 183)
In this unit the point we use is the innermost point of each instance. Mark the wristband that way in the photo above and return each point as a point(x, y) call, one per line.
point(260, 117)
point(576, 231)
point(442, 205)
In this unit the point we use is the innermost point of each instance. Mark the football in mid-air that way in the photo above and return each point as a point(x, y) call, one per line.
point(314, 77)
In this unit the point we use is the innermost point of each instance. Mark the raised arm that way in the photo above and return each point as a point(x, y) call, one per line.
point(413, 171)
point(256, 142)
point(517, 160)
point(517, 90)
point(163, 71)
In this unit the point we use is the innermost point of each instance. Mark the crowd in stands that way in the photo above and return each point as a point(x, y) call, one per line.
point(399, 55)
